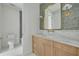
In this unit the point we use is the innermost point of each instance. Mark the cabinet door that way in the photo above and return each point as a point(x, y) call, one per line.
point(77, 51)
point(58, 51)
point(41, 47)
point(48, 47)
point(52, 49)
point(38, 45)
point(34, 45)
point(61, 52)
point(64, 50)
point(33, 50)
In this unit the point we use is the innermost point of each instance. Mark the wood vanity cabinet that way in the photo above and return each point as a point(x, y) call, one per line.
point(44, 47)
point(64, 49)
point(41, 47)
point(37, 46)
point(48, 47)
point(78, 51)
point(34, 45)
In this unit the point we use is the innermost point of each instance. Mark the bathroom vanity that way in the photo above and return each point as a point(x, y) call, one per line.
point(54, 45)
point(59, 17)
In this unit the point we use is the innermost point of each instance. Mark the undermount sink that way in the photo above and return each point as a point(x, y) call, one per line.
point(49, 34)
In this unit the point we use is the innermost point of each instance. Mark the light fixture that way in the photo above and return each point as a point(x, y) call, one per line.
point(67, 10)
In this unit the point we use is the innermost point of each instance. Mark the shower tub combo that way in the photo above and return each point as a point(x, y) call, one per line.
point(9, 42)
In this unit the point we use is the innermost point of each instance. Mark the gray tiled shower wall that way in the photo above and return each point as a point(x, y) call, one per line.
point(71, 22)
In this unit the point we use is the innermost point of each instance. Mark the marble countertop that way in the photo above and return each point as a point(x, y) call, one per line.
point(59, 38)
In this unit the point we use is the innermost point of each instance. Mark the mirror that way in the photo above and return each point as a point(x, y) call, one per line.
point(52, 18)
point(63, 16)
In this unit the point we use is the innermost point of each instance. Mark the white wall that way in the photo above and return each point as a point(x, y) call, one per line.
point(0, 24)
point(11, 19)
point(1, 19)
point(30, 25)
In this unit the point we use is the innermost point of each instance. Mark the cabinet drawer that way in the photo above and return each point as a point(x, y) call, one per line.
point(65, 47)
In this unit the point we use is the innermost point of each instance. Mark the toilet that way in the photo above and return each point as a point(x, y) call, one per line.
point(11, 38)
point(11, 45)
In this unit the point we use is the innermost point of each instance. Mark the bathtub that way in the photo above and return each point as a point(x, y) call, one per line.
point(18, 51)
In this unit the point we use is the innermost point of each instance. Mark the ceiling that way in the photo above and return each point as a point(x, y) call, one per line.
point(19, 5)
